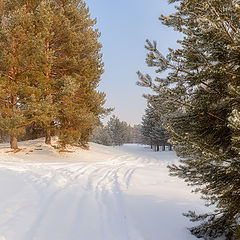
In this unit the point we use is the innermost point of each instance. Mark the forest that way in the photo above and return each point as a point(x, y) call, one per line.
point(51, 64)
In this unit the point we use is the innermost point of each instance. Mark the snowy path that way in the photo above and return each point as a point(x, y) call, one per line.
point(124, 194)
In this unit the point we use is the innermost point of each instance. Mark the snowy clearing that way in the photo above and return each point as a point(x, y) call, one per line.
point(106, 193)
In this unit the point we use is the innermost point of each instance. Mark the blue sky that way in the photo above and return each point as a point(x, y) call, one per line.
point(125, 25)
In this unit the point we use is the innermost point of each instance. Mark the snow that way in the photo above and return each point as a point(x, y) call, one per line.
point(106, 193)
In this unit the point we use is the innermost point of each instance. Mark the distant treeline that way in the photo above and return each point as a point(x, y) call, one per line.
point(117, 133)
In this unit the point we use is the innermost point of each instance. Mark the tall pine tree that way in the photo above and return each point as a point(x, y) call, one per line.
point(198, 101)
point(76, 69)
point(16, 85)
point(50, 66)
point(153, 132)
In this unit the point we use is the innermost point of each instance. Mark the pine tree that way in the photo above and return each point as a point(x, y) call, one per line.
point(146, 130)
point(16, 32)
point(116, 131)
point(136, 134)
point(50, 68)
point(198, 102)
point(101, 136)
point(154, 134)
point(76, 68)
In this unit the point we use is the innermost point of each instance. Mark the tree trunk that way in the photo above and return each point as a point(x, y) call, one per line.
point(154, 148)
point(163, 147)
point(157, 148)
point(48, 137)
point(170, 147)
point(13, 142)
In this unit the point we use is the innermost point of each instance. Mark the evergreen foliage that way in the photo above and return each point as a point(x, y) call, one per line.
point(153, 132)
point(118, 131)
point(137, 134)
point(14, 81)
point(102, 136)
point(199, 105)
point(50, 67)
point(115, 133)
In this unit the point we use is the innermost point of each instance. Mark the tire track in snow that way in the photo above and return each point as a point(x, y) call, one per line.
point(111, 206)
point(109, 192)
point(97, 185)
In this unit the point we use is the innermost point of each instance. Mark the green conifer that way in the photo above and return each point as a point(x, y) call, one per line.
point(16, 86)
point(198, 101)
point(77, 68)
point(50, 68)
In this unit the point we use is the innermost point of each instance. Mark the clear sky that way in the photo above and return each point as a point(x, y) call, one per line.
point(125, 25)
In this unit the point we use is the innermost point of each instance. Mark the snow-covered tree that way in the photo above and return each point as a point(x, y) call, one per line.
point(199, 104)
point(118, 131)
point(153, 132)
point(101, 136)
point(115, 133)
point(137, 134)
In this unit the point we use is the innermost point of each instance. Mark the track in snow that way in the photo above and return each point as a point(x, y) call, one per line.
point(124, 197)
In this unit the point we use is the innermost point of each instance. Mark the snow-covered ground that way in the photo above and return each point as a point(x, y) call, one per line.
point(106, 193)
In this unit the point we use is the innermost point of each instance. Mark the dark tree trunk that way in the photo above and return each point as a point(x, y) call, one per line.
point(157, 148)
point(48, 137)
point(13, 142)
point(170, 147)
point(163, 147)
point(154, 148)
